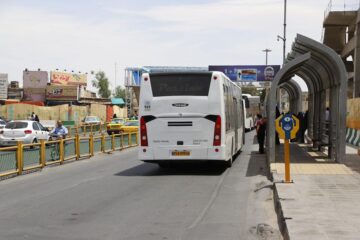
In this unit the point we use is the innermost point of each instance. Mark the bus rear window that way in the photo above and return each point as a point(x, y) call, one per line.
point(180, 84)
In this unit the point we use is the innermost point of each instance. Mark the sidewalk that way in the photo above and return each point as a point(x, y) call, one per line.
point(323, 201)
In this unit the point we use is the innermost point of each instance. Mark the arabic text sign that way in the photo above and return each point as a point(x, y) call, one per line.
point(63, 78)
point(60, 92)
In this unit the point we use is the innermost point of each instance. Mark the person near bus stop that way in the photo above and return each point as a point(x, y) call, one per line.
point(261, 131)
point(60, 130)
point(36, 118)
point(114, 116)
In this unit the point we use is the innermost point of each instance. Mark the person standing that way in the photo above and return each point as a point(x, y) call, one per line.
point(33, 116)
point(261, 132)
point(36, 118)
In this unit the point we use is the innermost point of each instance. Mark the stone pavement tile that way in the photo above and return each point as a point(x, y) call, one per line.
point(321, 206)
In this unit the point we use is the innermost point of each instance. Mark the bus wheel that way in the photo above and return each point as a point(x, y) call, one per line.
point(228, 163)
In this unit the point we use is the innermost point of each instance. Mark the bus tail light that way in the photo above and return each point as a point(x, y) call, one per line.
point(143, 132)
point(217, 132)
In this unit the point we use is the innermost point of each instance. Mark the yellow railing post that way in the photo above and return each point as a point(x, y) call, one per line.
point(137, 138)
point(61, 150)
point(42, 153)
point(19, 157)
point(91, 144)
point(129, 141)
point(69, 133)
point(113, 141)
point(77, 146)
point(103, 142)
point(121, 141)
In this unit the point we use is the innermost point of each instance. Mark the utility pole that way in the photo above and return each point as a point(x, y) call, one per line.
point(266, 55)
point(115, 77)
point(283, 38)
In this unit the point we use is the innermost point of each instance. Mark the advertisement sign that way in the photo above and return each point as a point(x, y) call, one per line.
point(3, 85)
point(63, 78)
point(247, 73)
point(34, 94)
point(35, 79)
point(59, 92)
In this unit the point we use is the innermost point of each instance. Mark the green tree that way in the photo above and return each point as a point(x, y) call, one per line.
point(119, 92)
point(250, 90)
point(101, 82)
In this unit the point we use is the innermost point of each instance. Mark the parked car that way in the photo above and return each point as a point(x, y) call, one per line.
point(91, 120)
point(115, 125)
point(130, 126)
point(22, 130)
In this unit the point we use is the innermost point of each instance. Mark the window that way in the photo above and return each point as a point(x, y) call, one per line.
point(16, 125)
point(180, 84)
point(35, 126)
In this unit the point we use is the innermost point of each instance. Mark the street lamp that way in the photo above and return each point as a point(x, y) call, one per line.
point(283, 38)
point(266, 55)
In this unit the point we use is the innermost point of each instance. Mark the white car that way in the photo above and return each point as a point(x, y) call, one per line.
point(22, 130)
point(92, 120)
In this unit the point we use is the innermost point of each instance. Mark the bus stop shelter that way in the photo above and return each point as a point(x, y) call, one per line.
point(326, 78)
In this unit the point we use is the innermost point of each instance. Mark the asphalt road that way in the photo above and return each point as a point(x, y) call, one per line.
point(115, 196)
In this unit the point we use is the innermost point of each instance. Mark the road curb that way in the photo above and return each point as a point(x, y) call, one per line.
point(280, 214)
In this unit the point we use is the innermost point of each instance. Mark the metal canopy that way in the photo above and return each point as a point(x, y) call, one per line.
point(325, 75)
point(295, 95)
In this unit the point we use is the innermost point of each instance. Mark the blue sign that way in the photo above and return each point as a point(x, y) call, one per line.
point(247, 73)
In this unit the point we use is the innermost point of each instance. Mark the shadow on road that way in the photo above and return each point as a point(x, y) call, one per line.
point(150, 169)
point(257, 165)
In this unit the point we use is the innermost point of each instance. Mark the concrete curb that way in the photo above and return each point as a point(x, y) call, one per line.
point(280, 214)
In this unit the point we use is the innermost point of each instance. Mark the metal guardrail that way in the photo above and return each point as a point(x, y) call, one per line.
point(24, 157)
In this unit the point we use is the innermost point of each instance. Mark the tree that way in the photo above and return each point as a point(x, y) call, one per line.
point(101, 82)
point(119, 92)
point(250, 90)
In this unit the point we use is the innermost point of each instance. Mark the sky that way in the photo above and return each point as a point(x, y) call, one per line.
point(86, 35)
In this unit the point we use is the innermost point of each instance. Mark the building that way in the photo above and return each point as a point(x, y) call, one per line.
point(341, 32)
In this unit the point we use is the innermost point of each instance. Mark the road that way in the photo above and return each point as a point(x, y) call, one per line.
point(115, 196)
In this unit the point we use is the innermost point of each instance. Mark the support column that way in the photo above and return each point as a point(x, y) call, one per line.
point(356, 90)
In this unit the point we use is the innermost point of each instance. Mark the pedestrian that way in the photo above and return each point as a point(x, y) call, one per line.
point(114, 116)
point(33, 116)
point(257, 121)
point(36, 118)
point(299, 134)
point(327, 114)
point(261, 132)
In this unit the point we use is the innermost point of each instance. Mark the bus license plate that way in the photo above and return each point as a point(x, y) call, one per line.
point(180, 153)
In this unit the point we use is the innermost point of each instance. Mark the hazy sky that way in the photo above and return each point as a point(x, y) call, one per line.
point(86, 35)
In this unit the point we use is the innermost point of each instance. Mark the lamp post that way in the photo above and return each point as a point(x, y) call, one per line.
point(266, 55)
point(283, 38)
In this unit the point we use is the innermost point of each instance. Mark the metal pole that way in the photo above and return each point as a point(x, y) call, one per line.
point(284, 36)
point(266, 55)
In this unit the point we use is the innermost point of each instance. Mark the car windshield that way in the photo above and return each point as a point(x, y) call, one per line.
point(16, 125)
point(117, 121)
point(132, 123)
point(91, 119)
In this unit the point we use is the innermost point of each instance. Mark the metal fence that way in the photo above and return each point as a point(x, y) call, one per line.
point(23, 157)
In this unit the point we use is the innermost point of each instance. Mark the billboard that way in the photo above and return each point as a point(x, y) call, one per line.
point(60, 92)
point(34, 94)
point(247, 73)
point(3, 85)
point(63, 78)
point(35, 79)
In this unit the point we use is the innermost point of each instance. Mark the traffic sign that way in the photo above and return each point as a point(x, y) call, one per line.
point(287, 126)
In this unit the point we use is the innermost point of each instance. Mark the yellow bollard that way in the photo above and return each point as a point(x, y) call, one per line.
point(287, 160)
point(129, 140)
point(103, 142)
point(42, 153)
point(77, 146)
point(113, 141)
point(61, 150)
point(91, 145)
point(19, 157)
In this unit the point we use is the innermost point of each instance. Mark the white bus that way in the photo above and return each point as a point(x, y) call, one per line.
point(252, 107)
point(189, 116)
